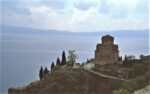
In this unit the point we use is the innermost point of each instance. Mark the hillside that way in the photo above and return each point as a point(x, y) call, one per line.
point(69, 81)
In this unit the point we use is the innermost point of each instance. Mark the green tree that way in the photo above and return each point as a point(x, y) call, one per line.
point(58, 61)
point(72, 56)
point(46, 72)
point(83, 64)
point(41, 73)
point(52, 66)
point(130, 57)
point(141, 56)
point(63, 61)
point(125, 58)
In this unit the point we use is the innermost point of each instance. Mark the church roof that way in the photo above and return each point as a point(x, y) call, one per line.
point(107, 37)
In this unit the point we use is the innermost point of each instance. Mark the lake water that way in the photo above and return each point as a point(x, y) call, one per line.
point(22, 55)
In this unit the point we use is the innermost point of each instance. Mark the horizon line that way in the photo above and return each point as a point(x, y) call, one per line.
point(96, 31)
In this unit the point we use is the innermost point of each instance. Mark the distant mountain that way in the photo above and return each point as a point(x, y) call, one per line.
point(23, 30)
point(11, 30)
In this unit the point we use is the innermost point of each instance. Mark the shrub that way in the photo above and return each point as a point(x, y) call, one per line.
point(121, 91)
point(134, 84)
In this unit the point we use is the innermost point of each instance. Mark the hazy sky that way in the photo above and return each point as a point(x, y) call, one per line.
point(76, 15)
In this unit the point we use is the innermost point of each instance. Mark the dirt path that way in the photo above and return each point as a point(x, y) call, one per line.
point(103, 75)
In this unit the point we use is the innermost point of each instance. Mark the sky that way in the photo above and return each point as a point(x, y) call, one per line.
point(76, 15)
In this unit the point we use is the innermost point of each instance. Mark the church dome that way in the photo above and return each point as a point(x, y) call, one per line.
point(107, 37)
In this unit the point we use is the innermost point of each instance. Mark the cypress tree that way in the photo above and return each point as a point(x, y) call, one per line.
point(41, 73)
point(52, 66)
point(63, 62)
point(125, 58)
point(58, 61)
point(46, 72)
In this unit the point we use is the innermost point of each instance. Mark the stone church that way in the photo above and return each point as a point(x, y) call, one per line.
point(107, 52)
